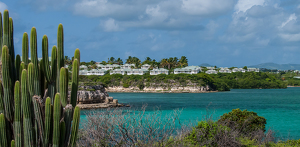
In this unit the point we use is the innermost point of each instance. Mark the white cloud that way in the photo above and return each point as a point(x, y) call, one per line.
point(3, 6)
point(292, 17)
point(244, 5)
point(111, 26)
point(290, 37)
point(206, 7)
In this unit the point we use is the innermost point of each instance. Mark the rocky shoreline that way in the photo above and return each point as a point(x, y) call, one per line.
point(195, 89)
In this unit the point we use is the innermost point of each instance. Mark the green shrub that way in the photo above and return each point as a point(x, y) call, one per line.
point(125, 85)
point(205, 132)
point(245, 121)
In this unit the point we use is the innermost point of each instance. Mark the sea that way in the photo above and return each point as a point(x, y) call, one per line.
point(280, 107)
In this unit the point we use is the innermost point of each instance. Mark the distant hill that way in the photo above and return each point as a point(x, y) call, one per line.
point(277, 66)
point(206, 65)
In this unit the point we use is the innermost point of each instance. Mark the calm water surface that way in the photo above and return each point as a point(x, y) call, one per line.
point(281, 107)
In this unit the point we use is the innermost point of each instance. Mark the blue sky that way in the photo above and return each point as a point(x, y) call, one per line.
point(218, 32)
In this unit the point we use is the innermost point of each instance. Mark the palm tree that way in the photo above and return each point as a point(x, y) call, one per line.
point(119, 61)
point(183, 61)
point(129, 60)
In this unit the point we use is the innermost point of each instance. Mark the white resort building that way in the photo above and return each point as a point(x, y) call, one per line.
point(83, 67)
point(224, 70)
point(210, 68)
point(119, 71)
point(159, 71)
point(127, 66)
point(137, 71)
point(211, 71)
point(145, 66)
point(187, 70)
point(253, 69)
point(108, 66)
point(238, 70)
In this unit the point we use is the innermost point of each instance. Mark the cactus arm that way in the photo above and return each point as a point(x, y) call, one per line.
point(60, 52)
point(8, 96)
point(74, 90)
point(25, 48)
point(12, 51)
point(62, 133)
point(34, 60)
point(17, 65)
point(3, 136)
point(45, 58)
point(38, 117)
point(77, 55)
point(18, 116)
point(1, 34)
point(12, 144)
point(68, 116)
point(48, 118)
point(6, 28)
point(75, 125)
point(2, 109)
point(63, 86)
point(27, 112)
point(51, 85)
point(56, 119)
point(31, 79)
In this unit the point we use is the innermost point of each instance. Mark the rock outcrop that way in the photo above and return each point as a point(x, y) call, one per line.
point(174, 89)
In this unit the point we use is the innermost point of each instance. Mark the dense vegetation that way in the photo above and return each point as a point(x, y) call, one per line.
point(220, 81)
point(131, 127)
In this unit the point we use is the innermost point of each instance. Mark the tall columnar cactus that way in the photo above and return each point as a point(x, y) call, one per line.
point(48, 122)
point(24, 115)
point(63, 86)
point(17, 65)
point(1, 34)
point(18, 116)
point(60, 52)
point(34, 60)
point(8, 96)
point(27, 111)
point(25, 47)
point(56, 119)
point(3, 135)
point(50, 73)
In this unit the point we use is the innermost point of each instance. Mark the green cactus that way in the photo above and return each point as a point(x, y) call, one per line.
point(48, 120)
point(60, 52)
point(75, 125)
point(3, 135)
point(63, 86)
point(75, 73)
point(6, 29)
point(56, 119)
point(34, 60)
point(2, 109)
point(1, 35)
point(17, 65)
point(23, 114)
point(27, 111)
point(62, 133)
point(8, 96)
point(68, 115)
point(18, 116)
point(25, 48)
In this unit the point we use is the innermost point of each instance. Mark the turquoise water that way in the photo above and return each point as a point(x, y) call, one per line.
point(281, 107)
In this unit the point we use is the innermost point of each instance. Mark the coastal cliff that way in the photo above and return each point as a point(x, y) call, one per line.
point(162, 89)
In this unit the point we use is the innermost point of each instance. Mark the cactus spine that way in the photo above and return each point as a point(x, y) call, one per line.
point(12, 51)
point(5, 28)
point(75, 73)
point(18, 116)
point(17, 65)
point(62, 133)
point(56, 119)
point(2, 109)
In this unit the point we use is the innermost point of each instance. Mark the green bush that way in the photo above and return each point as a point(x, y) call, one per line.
point(245, 121)
point(125, 85)
point(205, 132)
